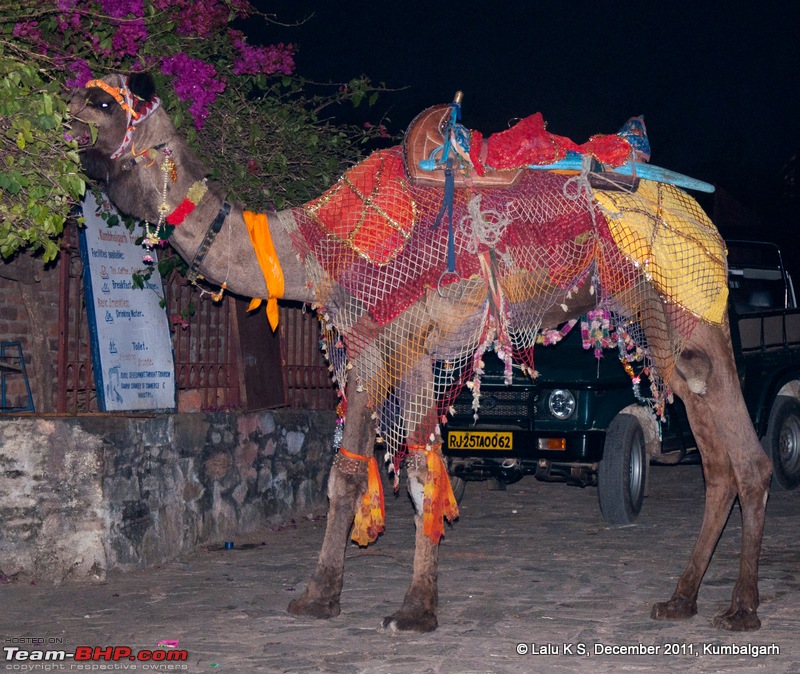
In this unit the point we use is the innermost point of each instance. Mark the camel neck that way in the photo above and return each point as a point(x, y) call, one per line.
point(230, 258)
point(167, 183)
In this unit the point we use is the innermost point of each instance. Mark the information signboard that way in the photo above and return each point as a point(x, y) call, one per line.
point(132, 357)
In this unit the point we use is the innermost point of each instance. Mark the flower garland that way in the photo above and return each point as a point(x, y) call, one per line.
point(596, 331)
point(599, 332)
point(550, 337)
point(193, 196)
point(155, 235)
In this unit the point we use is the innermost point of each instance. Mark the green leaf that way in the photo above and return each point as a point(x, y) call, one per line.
point(9, 184)
point(51, 251)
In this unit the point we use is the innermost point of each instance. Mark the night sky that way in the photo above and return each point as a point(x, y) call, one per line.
point(719, 87)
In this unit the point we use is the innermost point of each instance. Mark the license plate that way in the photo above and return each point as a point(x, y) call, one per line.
point(498, 440)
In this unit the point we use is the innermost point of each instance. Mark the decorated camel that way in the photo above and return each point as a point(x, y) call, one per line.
point(424, 256)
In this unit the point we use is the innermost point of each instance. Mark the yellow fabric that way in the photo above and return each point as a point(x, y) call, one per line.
point(440, 502)
point(371, 514)
point(258, 227)
point(664, 230)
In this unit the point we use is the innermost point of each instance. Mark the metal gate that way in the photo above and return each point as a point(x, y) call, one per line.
point(308, 382)
point(205, 345)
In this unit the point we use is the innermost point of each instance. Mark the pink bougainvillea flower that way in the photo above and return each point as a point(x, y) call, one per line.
point(277, 58)
point(27, 30)
point(178, 320)
point(120, 9)
point(196, 81)
point(129, 38)
point(201, 19)
point(81, 71)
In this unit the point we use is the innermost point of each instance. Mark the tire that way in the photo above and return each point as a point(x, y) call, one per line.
point(622, 474)
point(782, 442)
point(459, 486)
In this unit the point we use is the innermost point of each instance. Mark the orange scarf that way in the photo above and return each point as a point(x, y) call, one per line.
point(440, 502)
point(371, 514)
point(258, 227)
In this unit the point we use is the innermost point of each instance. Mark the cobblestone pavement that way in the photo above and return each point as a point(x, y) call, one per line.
point(532, 568)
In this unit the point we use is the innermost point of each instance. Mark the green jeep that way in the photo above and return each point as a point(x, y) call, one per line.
point(579, 422)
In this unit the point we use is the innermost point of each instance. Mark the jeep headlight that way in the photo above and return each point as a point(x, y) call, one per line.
point(561, 403)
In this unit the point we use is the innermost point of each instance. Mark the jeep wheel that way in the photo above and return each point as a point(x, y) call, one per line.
point(459, 485)
point(622, 473)
point(782, 442)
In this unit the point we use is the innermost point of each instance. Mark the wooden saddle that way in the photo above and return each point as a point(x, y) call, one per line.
point(426, 135)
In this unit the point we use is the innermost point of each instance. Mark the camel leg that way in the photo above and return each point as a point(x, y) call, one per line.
point(418, 612)
point(720, 494)
point(733, 464)
point(345, 488)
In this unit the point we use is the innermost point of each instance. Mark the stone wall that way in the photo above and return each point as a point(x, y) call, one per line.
point(80, 496)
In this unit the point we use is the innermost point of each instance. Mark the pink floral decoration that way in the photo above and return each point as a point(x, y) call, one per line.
point(196, 81)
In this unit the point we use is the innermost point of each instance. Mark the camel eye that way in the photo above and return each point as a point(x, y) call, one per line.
point(104, 106)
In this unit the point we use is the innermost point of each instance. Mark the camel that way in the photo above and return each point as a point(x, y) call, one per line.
point(411, 341)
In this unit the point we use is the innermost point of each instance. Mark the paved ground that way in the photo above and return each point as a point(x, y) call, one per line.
point(531, 565)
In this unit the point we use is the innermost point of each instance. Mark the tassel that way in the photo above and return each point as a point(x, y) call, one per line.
point(217, 296)
point(440, 502)
point(371, 514)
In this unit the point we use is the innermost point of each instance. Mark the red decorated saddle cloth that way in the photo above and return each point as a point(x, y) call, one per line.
point(372, 236)
point(435, 136)
point(370, 209)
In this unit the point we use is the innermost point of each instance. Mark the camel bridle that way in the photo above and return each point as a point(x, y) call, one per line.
point(136, 109)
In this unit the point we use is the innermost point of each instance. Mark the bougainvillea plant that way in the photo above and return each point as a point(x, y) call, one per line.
point(255, 123)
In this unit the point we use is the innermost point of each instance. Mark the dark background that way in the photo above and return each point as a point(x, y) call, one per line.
point(718, 85)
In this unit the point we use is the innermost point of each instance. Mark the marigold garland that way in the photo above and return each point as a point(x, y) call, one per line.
point(193, 197)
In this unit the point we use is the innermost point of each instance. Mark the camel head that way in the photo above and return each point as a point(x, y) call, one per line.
point(128, 143)
point(113, 106)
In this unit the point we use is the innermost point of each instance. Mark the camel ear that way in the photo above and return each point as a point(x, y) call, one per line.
point(142, 85)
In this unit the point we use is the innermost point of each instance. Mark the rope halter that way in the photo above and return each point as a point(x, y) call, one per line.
point(136, 109)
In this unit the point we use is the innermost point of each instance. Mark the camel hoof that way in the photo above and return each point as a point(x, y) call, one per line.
point(313, 608)
point(737, 620)
point(674, 609)
point(403, 622)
